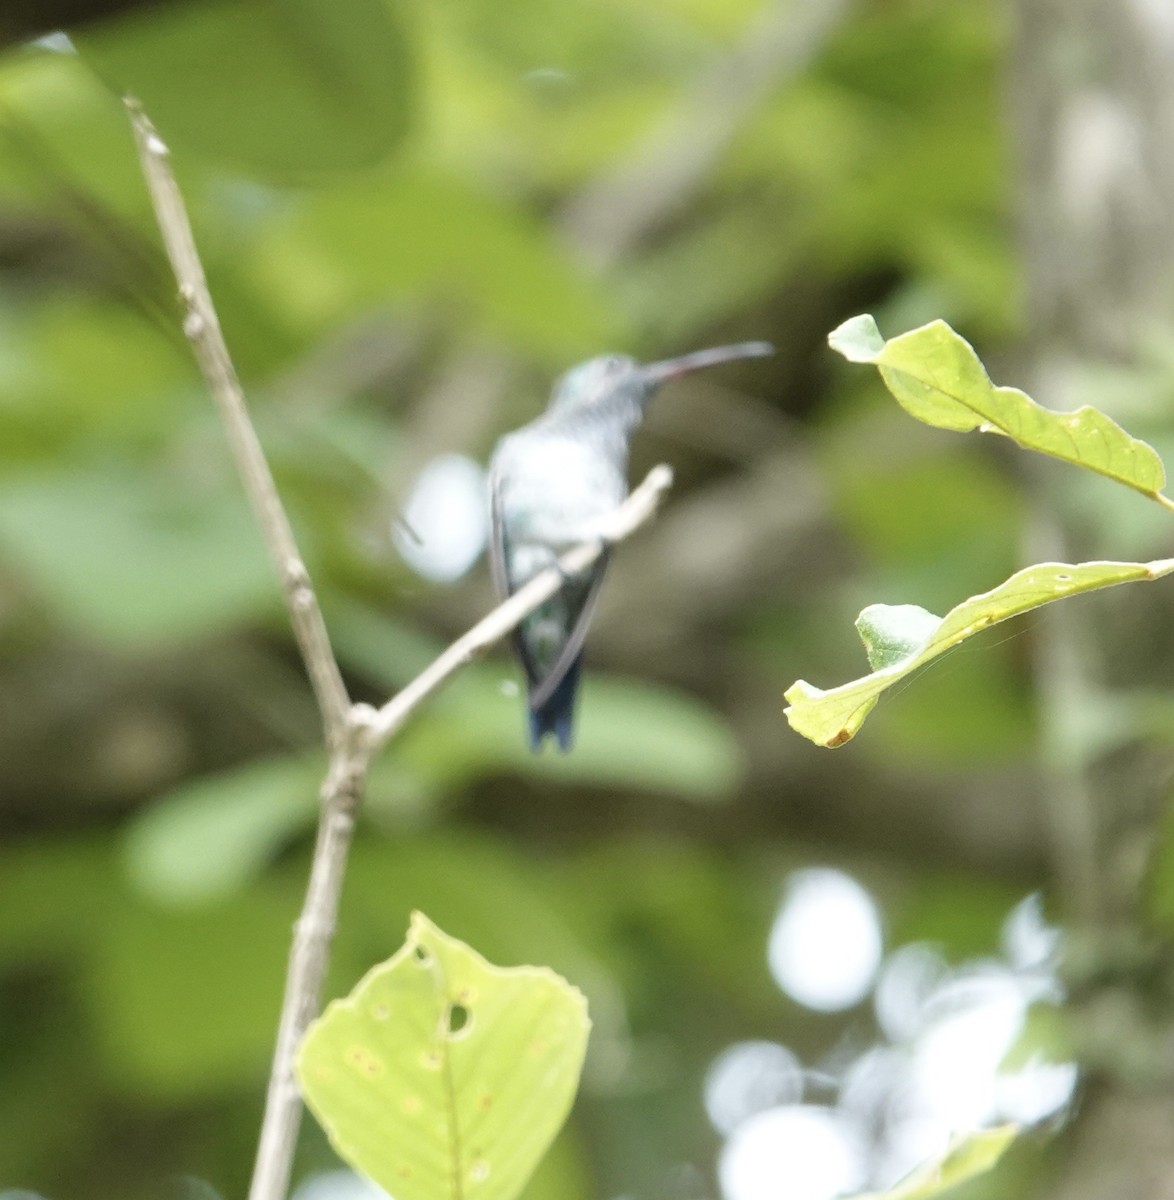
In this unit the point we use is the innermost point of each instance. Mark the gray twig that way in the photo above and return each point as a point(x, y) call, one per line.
point(202, 329)
point(354, 732)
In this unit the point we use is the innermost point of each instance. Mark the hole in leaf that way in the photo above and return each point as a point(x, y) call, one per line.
point(422, 956)
point(459, 1019)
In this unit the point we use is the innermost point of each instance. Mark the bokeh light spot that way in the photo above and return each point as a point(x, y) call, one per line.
point(338, 1185)
point(446, 519)
point(747, 1078)
point(1029, 942)
point(907, 980)
point(797, 1151)
point(825, 945)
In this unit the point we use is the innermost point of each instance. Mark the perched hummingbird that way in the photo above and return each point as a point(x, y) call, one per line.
point(552, 483)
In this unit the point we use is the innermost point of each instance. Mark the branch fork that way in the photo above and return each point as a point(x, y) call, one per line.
point(353, 732)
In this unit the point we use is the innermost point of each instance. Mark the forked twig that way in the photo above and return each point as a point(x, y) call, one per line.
point(354, 732)
point(638, 507)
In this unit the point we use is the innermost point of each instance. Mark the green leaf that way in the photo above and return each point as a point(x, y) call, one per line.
point(136, 557)
point(831, 718)
point(892, 632)
point(441, 1075)
point(966, 1157)
point(936, 377)
point(858, 339)
point(40, 882)
point(628, 735)
point(209, 836)
point(182, 1001)
point(288, 87)
point(430, 237)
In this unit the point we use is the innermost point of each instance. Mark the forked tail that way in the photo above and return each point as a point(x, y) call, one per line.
point(557, 715)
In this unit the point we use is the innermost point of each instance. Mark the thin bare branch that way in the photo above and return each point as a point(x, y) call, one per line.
point(342, 792)
point(342, 795)
point(354, 732)
point(202, 328)
point(633, 513)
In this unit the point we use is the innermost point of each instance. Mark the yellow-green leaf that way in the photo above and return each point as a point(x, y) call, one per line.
point(936, 377)
point(442, 1077)
point(965, 1157)
point(831, 718)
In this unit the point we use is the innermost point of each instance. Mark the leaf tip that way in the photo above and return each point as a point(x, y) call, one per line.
point(858, 339)
point(892, 633)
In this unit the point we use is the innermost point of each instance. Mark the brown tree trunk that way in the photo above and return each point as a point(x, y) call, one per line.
point(1093, 100)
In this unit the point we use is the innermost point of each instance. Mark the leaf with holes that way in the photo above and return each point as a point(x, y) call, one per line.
point(901, 638)
point(936, 377)
point(441, 1075)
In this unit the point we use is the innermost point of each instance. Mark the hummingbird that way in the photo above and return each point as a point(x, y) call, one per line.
point(552, 485)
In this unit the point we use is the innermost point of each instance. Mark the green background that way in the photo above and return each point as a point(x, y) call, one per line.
point(413, 217)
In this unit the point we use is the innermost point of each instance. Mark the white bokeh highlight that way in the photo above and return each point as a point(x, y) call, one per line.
point(338, 1185)
point(910, 976)
point(951, 1058)
point(825, 945)
point(950, 1077)
point(956, 1058)
point(447, 519)
point(796, 1151)
point(747, 1078)
point(1029, 942)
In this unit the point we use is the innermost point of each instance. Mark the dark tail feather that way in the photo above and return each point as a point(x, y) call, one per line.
point(558, 713)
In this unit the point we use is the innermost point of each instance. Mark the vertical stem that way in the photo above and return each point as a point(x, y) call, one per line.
point(309, 957)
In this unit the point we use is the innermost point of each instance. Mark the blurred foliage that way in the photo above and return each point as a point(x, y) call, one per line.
point(337, 73)
point(384, 195)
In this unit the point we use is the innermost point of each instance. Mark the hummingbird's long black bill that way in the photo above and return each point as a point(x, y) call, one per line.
point(671, 368)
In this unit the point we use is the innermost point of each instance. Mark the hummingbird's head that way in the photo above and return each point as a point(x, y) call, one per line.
point(618, 384)
point(600, 383)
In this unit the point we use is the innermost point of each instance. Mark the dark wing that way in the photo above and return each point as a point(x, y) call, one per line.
point(498, 548)
point(580, 596)
point(497, 545)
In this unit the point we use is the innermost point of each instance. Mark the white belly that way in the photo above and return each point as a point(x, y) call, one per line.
point(559, 497)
